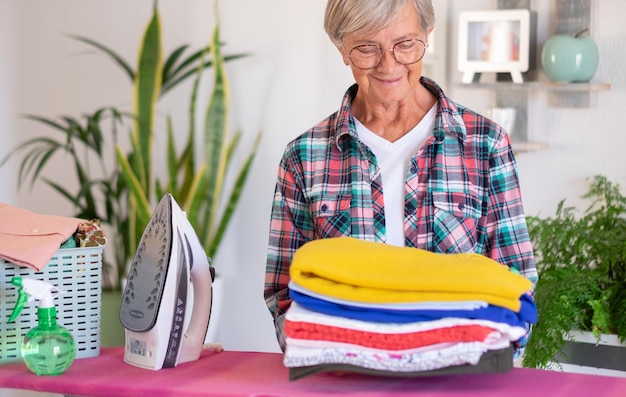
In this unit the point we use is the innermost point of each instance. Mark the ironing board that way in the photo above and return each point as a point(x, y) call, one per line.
point(263, 374)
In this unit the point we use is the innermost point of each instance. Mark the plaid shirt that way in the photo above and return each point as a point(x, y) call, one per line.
point(461, 194)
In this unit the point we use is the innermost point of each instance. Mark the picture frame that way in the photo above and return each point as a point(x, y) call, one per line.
point(494, 41)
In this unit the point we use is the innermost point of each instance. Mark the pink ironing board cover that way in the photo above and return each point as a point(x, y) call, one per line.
point(232, 373)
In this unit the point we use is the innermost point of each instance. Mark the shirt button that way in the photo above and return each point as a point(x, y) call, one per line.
point(461, 206)
point(414, 170)
point(324, 207)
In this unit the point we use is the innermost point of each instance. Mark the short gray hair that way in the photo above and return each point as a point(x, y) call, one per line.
point(369, 16)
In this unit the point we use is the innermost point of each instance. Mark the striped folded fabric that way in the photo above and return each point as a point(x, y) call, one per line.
point(400, 310)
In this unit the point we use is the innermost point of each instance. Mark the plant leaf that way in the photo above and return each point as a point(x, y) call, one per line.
point(112, 54)
point(170, 62)
point(146, 92)
point(182, 76)
point(172, 163)
point(215, 136)
point(141, 203)
point(233, 200)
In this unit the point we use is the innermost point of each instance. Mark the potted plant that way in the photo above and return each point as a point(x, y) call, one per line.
point(121, 195)
point(581, 260)
point(198, 185)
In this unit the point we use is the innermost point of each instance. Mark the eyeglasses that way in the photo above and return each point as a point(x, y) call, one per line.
point(369, 56)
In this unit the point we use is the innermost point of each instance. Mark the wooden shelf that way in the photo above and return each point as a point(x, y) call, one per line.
point(559, 17)
point(541, 86)
point(525, 147)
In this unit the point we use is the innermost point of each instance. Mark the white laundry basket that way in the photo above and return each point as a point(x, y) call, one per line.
point(78, 272)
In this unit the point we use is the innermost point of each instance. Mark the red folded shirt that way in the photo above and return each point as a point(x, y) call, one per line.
point(385, 341)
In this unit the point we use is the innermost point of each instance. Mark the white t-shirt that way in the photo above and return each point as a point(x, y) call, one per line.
point(393, 160)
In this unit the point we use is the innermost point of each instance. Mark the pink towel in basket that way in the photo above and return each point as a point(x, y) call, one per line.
point(30, 239)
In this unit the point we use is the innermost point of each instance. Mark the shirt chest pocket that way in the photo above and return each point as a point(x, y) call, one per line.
point(331, 216)
point(455, 221)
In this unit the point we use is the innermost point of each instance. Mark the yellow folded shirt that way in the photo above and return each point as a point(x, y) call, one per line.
point(370, 272)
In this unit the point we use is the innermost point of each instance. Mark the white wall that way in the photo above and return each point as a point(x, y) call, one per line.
point(7, 178)
point(293, 79)
point(582, 142)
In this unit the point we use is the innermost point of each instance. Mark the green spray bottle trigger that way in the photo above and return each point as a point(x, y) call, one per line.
point(49, 348)
point(22, 298)
point(29, 290)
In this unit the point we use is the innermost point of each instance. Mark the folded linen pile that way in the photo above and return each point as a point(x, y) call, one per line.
point(31, 239)
point(400, 310)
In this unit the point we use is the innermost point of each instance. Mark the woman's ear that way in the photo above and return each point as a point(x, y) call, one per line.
point(429, 32)
point(345, 58)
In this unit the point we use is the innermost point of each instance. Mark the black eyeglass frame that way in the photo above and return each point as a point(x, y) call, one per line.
point(392, 50)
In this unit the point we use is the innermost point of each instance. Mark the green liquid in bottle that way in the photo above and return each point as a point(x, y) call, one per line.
point(48, 349)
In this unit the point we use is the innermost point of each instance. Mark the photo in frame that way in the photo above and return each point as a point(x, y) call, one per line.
point(497, 41)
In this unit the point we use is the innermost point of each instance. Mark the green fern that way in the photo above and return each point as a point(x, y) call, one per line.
point(581, 259)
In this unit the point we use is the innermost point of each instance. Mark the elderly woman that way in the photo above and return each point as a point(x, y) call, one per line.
point(399, 162)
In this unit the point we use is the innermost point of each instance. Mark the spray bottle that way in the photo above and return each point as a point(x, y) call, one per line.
point(49, 348)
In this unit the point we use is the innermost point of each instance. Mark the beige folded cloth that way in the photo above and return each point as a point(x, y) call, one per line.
point(30, 239)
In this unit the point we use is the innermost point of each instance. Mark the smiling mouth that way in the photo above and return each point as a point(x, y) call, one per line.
point(389, 81)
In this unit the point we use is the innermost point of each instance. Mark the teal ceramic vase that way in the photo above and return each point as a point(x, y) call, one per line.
point(570, 59)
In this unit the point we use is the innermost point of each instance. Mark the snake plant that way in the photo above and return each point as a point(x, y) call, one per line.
point(198, 186)
point(123, 196)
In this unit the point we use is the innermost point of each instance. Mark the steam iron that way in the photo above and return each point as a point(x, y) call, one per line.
point(166, 304)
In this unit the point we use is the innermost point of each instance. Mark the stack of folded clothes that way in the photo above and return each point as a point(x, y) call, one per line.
point(370, 307)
